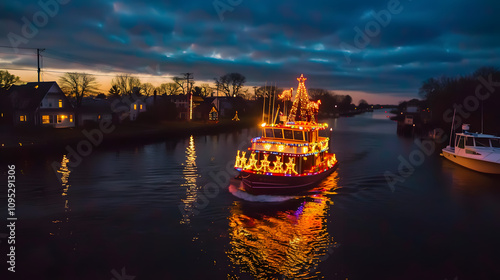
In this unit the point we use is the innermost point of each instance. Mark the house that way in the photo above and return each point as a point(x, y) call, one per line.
point(127, 107)
point(93, 110)
point(137, 107)
point(40, 104)
point(182, 105)
point(223, 105)
point(5, 108)
point(206, 111)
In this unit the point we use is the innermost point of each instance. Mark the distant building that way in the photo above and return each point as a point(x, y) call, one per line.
point(137, 107)
point(93, 110)
point(411, 109)
point(223, 105)
point(182, 104)
point(5, 108)
point(40, 104)
point(207, 111)
point(127, 107)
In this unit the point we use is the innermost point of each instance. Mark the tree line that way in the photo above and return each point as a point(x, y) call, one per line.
point(79, 85)
point(474, 97)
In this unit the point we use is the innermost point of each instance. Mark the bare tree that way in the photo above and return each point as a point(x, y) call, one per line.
point(168, 89)
point(78, 85)
point(147, 89)
point(230, 83)
point(7, 80)
point(317, 93)
point(206, 89)
point(266, 91)
point(114, 91)
point(181, 82)
point(126, 83)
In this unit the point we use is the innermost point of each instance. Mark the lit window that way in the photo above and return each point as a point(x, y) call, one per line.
point(141, 107)
point(70, 118)
point(22, 118)
point(45, 119)
point(2, 115)
point(60, 118)
point(60, 103)
point(135, 106)
point(98, 117)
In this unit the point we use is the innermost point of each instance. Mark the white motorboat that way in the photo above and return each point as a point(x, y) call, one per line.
point(476, 151)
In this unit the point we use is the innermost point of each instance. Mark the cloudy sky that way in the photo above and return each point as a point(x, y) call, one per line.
point(380, 50)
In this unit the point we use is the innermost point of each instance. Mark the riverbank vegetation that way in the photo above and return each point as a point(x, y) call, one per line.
point(474, 98)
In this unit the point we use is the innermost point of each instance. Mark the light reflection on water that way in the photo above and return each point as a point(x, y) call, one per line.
point(122, 207)
point(190, 174)
point(287, 242)
point(64, 172)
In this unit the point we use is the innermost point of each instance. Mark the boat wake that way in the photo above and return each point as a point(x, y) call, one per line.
point(258, 198)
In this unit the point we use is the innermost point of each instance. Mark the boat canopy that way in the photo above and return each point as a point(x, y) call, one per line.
point(476, 140)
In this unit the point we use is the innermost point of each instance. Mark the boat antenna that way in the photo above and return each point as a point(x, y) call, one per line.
point(452, 125)
point(482, 123)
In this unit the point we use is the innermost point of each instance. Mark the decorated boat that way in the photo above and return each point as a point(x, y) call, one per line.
point(290, 156)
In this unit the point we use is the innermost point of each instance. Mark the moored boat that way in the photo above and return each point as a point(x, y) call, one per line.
point(476, 151)
point(289, 157)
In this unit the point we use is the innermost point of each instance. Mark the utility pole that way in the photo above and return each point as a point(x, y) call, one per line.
point(188, 76)
point(38, 60)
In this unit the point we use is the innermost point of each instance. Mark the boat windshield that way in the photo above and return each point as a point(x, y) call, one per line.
point(485, 142)
point(469, 141)
point(482, 142)
point(495, 142)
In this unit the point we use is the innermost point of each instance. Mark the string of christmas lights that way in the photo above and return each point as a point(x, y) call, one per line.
point(302, 108)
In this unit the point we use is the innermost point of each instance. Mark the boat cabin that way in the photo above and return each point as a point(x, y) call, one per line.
point(474, 143)
point(296, 147)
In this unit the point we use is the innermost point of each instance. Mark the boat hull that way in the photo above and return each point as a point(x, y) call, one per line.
point(474, 164)
point(265, 184)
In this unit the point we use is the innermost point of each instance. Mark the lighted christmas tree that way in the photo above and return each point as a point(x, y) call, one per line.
point(302, 108)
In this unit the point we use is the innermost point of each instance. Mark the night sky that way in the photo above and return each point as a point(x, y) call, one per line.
point(377, 50)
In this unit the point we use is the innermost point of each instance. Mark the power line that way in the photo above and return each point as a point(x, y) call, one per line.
point(24, 48)
point(18, 69)
point(33, 54)
point(58, 55)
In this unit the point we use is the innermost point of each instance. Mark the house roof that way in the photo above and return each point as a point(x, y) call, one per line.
point(221, 103)
point(95, 105)
point(29, 96)
point(4, 101)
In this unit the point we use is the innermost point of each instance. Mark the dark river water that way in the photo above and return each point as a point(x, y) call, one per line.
point(168, 210)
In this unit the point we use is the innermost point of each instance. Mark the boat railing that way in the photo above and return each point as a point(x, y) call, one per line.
point(278, 166)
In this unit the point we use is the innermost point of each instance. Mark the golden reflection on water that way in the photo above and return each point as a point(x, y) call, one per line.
point(190, 174)
point(65, 172)
point(468, 181)
point(284, 244)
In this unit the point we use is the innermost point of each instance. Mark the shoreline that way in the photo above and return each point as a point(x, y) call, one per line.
point(129, 133)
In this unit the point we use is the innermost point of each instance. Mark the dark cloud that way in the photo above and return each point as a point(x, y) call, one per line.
point(270, 41)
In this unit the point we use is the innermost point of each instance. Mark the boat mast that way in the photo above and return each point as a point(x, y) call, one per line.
point(276, 115)
point(269, 109)
point(264, 103)
point(274, 101)
point(482, 117)
point(452, 125)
